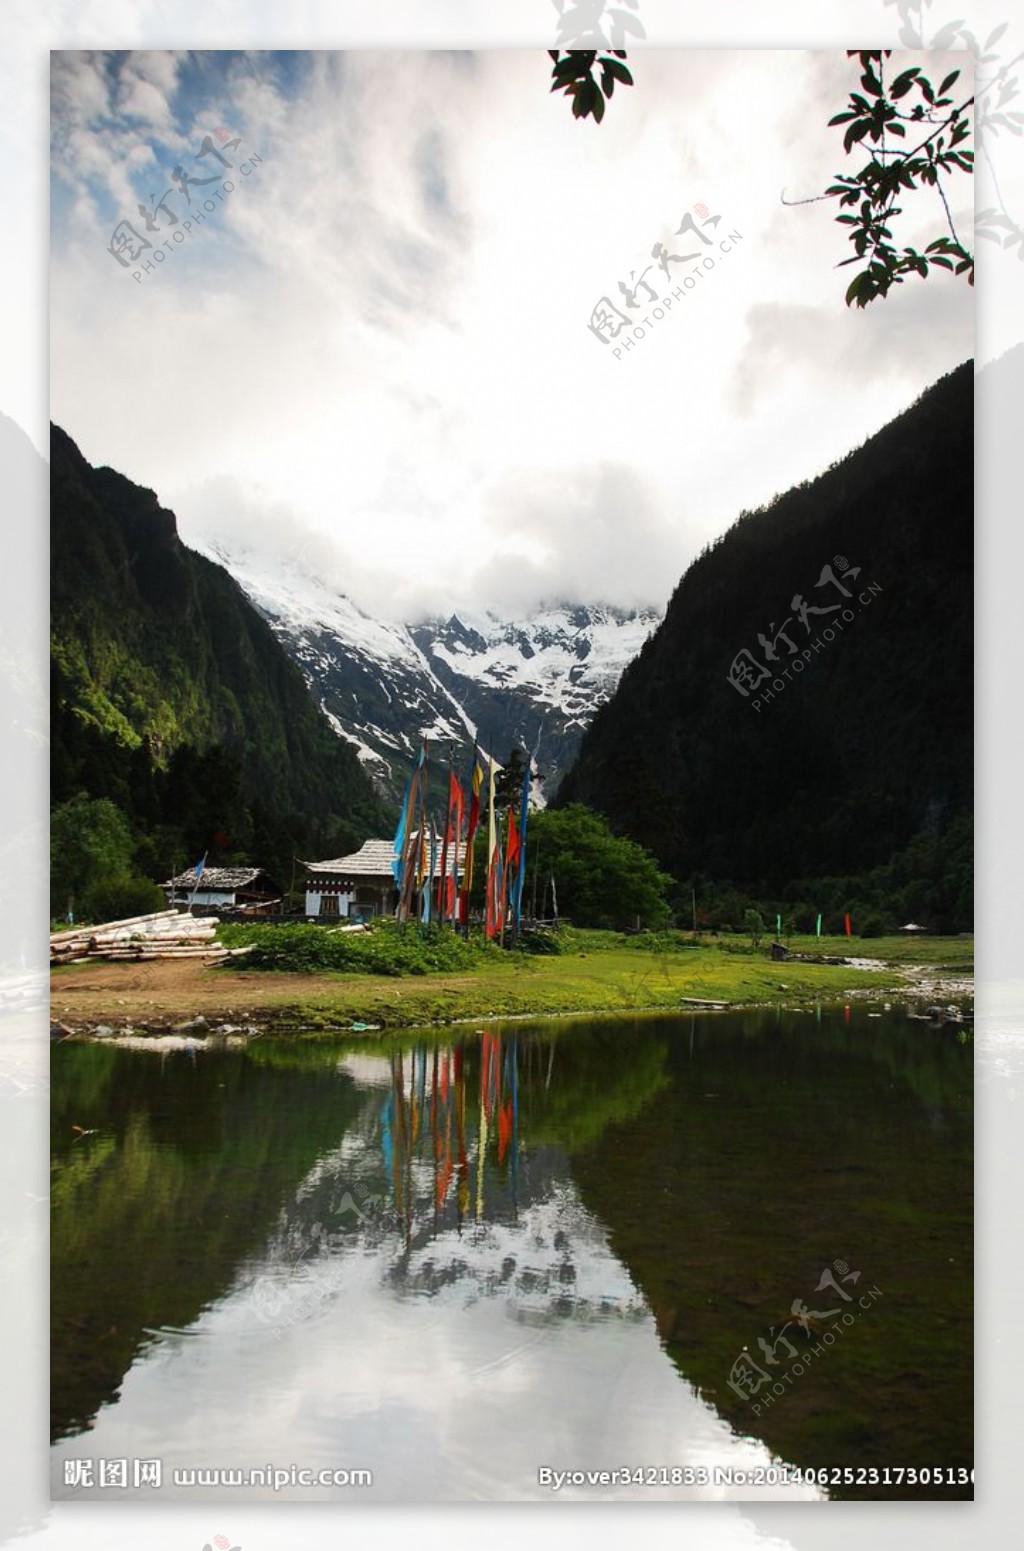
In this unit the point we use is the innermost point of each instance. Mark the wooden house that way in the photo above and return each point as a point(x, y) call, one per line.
point(360, 885)
point(251, 889)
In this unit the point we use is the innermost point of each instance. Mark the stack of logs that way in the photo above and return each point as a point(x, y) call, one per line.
point(165, 934)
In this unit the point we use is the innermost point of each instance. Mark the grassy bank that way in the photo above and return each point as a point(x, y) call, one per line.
point(594, 972)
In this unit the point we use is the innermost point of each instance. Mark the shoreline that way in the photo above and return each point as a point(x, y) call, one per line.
point(142, 1002)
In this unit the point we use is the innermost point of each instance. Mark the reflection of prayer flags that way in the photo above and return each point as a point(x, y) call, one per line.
point(849, 927)
point(504, 1128)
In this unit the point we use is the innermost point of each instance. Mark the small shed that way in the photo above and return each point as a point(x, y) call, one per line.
point(225, 888)
point(912, 928)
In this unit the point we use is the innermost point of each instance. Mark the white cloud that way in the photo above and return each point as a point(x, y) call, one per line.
point(382, 331)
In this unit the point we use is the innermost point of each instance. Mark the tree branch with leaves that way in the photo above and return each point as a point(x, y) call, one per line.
point(882, 117)
point(573, 74)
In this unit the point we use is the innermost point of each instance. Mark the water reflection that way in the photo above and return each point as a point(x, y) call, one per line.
point(434, 1174)
point(456, 1260)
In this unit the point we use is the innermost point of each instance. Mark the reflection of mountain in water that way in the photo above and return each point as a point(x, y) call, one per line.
point(170, 1173)
point(432, 1180)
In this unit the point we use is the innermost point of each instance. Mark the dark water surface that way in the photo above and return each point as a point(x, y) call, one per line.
point(702, 1248)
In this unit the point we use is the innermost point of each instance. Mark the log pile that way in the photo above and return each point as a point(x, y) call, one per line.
point(165, 934)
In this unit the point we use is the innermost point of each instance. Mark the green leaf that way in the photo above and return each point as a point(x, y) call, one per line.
point(947, 83)
point(871, 84)
point(620, 72)
point(903, 83)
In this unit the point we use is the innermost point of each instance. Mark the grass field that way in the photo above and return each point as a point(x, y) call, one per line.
point(602, 972)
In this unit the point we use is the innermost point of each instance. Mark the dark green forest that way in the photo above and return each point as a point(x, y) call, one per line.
point(172, 701)
point(852, 787)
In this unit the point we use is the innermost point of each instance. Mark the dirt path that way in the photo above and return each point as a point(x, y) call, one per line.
point(163, 992)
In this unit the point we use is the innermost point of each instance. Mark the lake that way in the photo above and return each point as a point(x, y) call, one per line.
point(721, 1257)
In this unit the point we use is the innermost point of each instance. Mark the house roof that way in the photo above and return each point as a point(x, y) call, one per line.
point(373, 860)
point(219, 878)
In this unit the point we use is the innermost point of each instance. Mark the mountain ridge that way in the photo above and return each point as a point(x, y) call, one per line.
point(469, 676)
point(171, 696)
point(859, 762)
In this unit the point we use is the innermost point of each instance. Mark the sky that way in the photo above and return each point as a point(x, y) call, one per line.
point(373, 355)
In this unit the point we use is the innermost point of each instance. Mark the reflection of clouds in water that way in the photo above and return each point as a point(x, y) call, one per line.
point(544, 1254)
point(439, 1389)
point(451, 1353)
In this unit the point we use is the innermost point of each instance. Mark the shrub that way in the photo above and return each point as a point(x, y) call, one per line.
point(385, 948)
point(114, 899)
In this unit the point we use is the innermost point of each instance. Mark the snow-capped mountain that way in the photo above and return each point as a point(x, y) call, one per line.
point(534, 682)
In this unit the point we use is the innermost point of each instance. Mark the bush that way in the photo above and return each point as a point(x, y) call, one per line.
point(875, 924)
point(753, 923)
point(542, 940)
point(114, 899)
point(385, 948)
